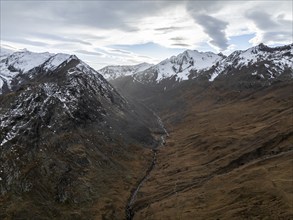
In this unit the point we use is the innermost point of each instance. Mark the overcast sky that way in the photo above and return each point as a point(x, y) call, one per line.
point(130, 32)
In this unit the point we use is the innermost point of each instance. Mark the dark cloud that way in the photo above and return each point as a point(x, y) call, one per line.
point(215, 28)
point(278, 36)
point(177, 38)
point(205, 7)
point(274, 29)
point(181, 45)
point(89, 53)
point(262, 20)
point(167, 29)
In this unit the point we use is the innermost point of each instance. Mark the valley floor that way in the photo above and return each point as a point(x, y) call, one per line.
point(229, 157)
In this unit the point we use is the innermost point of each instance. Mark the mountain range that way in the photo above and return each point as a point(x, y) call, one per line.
point(192, 64)
point(261, 61)
point(197, 136)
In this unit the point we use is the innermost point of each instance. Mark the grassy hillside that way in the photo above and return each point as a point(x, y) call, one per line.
point(228, 156)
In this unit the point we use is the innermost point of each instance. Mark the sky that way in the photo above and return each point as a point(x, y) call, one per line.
point(130, 32)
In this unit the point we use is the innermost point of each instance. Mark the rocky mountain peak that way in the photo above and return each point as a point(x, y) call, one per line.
point(17, 67)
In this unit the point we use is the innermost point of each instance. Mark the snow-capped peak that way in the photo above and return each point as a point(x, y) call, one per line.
point(181, 65)
point(23, 62)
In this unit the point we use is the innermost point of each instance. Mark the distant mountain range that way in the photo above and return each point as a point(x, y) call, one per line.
point(114, 72)
point(260, 61)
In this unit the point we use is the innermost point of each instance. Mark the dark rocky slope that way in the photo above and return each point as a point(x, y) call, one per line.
point(71, 146)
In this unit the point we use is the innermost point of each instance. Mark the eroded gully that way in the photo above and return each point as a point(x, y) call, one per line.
point(129, 209)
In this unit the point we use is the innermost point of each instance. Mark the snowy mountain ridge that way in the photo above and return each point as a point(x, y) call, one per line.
point(275, 60)
point(261, 61)
point(116, 71)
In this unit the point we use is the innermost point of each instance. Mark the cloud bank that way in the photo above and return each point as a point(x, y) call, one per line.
point(93, 28)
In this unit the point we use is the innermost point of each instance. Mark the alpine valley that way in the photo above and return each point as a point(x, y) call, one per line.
point(197, 136)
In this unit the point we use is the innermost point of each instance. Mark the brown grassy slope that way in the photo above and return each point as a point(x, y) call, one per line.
point(78, 173)
point(100, 189)
point(229, 157)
